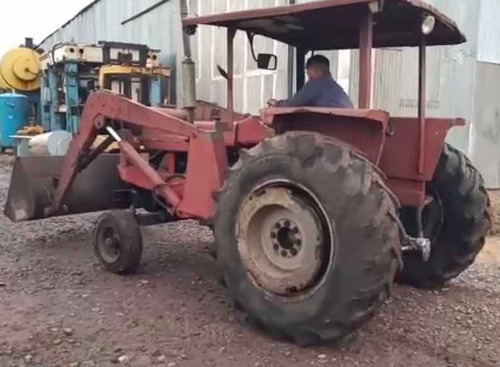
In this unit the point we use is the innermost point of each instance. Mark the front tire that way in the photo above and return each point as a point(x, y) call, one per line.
point(118, 241)
point(307, 238)
point(456, 221)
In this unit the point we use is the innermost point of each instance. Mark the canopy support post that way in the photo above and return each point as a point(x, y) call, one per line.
point(231, 33)
point(301, 66)
point(422, 73)
point(365, 60)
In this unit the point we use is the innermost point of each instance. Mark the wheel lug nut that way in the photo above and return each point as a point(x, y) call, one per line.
point(287, 223)
point(277, 225)
point(273, 235)
point(276, 247)
point(295, 230)
point(283, 253)
point(293, 252)
point(298, 243)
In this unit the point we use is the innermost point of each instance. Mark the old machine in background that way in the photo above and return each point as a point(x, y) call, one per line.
point(45, 92)
point(19, 91)
point(71, 72)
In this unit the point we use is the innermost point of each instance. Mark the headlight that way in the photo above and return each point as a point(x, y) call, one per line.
point(428, 24)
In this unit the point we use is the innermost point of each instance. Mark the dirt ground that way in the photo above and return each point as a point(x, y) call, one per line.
point(495, 212)
point(59, 308)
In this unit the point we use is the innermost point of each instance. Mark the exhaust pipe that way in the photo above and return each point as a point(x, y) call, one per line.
point(188, 84)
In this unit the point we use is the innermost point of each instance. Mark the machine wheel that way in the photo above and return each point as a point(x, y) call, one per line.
point(118, 241)
point(456, 221)
point(307, 237)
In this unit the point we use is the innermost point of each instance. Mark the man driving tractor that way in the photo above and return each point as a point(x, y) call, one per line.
point(320, 91)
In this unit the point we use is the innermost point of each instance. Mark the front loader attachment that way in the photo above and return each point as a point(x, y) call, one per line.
point(87, 180)
point(34, 181)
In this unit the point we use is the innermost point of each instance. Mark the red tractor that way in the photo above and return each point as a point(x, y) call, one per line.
point(315, 210)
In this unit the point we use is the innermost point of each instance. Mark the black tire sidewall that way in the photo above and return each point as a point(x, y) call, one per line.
point(340, 282)
point(129, 234)
point(464, 200)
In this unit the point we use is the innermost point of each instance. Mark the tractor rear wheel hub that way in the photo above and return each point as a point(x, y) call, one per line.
point(287, 238)
point(280, 240)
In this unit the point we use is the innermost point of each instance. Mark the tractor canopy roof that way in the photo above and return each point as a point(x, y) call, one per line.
point(335, 24)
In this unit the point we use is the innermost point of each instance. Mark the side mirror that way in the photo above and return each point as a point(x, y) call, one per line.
point(222, 72)
point(267, 61)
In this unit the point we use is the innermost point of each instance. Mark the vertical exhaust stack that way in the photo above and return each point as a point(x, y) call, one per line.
point(28, 43)
point(189, 87)
point(188, 84)
point(291, 63)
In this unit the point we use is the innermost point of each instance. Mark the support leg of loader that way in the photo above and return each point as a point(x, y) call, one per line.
point(158, 184)
point(99, 106)
point(72, 164)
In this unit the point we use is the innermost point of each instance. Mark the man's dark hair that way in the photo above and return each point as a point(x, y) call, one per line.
point(320, 62)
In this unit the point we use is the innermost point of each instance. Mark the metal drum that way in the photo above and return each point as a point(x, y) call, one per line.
point(14, 111)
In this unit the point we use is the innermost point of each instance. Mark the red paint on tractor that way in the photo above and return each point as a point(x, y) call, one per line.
point(150, 129)
point(401, 156)
point(363, 129)
point(207, 164)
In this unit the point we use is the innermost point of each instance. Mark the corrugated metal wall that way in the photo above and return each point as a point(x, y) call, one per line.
point(489, 32)
point(485, 141)
point(455, 79)
point(450, 75)
point(253, 87)
point(457, 84)
point(103, 21)
point(160, 29)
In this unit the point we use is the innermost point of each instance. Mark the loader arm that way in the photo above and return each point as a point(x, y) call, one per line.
point(106, 107)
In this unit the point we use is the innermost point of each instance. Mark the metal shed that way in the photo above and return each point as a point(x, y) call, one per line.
point(462, 79)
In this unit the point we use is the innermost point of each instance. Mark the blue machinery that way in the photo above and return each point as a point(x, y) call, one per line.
point(14, 109)
point(60, 97)
point(71, 72)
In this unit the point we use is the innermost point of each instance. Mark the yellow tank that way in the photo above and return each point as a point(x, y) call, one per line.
point(20, 70)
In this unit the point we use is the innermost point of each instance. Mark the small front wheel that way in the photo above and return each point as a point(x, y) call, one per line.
point(118, 241)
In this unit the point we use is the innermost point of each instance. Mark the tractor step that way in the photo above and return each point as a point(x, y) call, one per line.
point(145, 219)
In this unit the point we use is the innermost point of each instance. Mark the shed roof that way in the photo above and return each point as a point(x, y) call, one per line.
point(335, 24)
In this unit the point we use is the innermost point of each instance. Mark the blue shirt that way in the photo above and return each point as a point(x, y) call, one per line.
point(321, 92)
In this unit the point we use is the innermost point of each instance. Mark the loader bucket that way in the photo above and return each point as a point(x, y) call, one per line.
point(34, 181)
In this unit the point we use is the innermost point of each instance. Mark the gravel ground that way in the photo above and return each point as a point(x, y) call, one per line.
point(495, 212)
point(59, 308)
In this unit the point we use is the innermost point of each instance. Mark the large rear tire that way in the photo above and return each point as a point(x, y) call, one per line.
point(456, 221)
point(307, 237)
